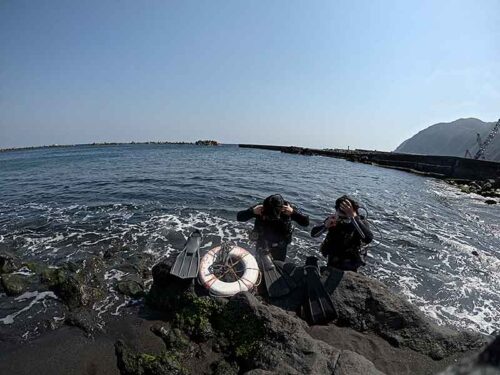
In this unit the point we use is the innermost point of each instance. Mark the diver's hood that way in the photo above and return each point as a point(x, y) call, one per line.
point(272, 206)
point(343, 198)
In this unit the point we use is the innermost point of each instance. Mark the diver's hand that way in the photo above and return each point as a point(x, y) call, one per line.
point(257, 210)
point(347, 208)
point(330, 222)
point(287, 210)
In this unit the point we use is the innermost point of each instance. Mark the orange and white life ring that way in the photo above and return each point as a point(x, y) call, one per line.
point(227, 289)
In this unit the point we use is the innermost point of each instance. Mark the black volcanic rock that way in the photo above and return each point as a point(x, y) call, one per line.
point(452, 139)
point(485, 363)
point(14, 284)
point(77, 285)
point(8, 262)
point(285, 346)
point(368, 305)
point(258, 336)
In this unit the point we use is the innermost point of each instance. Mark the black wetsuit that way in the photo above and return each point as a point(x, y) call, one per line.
point(343, 243)
point(274, 234)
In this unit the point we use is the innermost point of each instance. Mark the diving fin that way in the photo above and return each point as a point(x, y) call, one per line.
point(187, 262)
point(276, 284)
point(288, 271)
point(318, 307)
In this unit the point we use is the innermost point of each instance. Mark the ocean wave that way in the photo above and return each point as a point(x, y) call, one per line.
point(427, 232)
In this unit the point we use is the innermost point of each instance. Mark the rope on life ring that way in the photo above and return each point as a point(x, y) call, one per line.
point(239, 257)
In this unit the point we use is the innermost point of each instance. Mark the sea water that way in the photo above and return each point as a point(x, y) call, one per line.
point(68, 204)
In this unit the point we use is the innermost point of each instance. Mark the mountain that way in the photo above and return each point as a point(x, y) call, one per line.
point(452, 139)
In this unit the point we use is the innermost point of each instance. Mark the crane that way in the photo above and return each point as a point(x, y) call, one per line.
point(484, 145)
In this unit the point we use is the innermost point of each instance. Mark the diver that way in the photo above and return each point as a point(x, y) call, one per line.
point(348, 231)
point(273, 233)
point(273, 224)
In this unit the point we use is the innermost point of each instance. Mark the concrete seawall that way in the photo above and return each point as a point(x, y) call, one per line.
point(436, 166)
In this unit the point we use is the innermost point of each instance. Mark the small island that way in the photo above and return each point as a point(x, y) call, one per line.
point(206, 143)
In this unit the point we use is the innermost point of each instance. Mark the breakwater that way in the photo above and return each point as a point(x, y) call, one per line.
point(432, 165)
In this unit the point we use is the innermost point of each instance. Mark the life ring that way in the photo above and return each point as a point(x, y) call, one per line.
point(227, 289)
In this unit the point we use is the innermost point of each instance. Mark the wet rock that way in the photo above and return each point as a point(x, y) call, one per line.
point(131, 286)
point(84, 319)
point(53, 276)
point(130, 363)
point(465, 189)
point(451, 182)
point(8, 262)
point(14, 284)
point(178, 299)
point(490, 201)
point(50, 325)
point(260, 338)
point(253, 337)
point(77, 285)
point(476, 185)
point(113, 252)
point(366, 304)
point(167, 292)
point(485, 363)
point(488, 193)
point(487, 186)
point(139, 264)
point(173, 339)
point(35, 267)
point(196, 316)
point(161, 273)
point(225, 368)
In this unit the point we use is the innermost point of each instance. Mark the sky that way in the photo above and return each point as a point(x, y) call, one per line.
point(364, 74)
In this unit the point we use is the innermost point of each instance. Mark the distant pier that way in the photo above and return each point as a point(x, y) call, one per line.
point(452, 167)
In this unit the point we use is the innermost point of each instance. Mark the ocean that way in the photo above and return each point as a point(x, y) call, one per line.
point(62, 205)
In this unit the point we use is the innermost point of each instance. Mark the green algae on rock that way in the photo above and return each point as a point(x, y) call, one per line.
point(8, 262)
point(77, 285)
point(14, 284)
point(130, 363)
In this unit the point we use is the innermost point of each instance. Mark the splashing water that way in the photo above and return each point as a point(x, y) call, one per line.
point(69, 204)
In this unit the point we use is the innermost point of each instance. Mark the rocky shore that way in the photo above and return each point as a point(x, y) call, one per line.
point(175, 327)
point(489, 188)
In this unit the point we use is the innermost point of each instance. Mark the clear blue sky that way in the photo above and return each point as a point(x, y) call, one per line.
point(368, 74)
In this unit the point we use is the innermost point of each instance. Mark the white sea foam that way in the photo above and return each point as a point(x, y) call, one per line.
point(105, 305)
point(24, 271)
point(114, 274)
point(37, 297)
point(123, 304)
point(455, 253)
point(425, 239)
